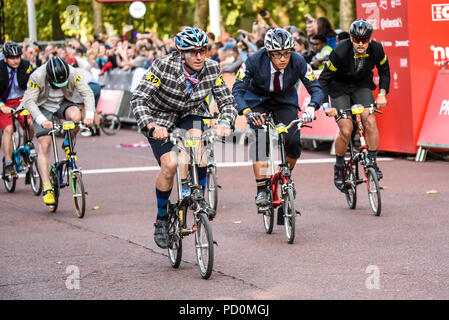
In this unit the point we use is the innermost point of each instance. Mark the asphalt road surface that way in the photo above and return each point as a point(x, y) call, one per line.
point(338, 253)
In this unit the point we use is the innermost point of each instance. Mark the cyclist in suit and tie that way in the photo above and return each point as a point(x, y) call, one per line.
point(265, 83)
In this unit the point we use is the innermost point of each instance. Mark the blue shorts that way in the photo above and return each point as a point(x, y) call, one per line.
point(160, 148)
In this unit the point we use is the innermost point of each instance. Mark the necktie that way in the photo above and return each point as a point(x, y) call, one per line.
point(190, 78)
point(276, 82)
point(8, 89)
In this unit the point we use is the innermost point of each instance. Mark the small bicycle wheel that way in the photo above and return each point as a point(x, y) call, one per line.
point(212, 188)
point(288, 206)
point(35, 178)
point(17, 135)
point(268, 220)
point(351, 187)
point(55, 185)
point(373, 191)
point(204, 245)
point(174, 237)
point(79, 196)
point(268, 214)
point(110, 124)
point(9, 181)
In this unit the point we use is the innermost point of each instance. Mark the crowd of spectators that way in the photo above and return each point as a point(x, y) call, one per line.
point(132, 49)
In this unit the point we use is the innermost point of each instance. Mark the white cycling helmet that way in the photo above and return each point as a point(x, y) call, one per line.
point(191, 38)
point(278, 39)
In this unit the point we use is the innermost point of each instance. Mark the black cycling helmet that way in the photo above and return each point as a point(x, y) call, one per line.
point(58, 71)
point(11, 50)
point(361, 29)
point(191, 38)
point(278, 39)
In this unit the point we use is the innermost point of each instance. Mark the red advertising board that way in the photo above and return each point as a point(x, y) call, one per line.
point(109, 101)
point(435, 128)
point(324, 127)
point(414, 34)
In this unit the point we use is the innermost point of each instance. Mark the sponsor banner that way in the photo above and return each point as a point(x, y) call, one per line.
point(390, 20)
point(414, 36)
point(440, 12)
point(435, 128)
point(109, 100)
point(323, 128)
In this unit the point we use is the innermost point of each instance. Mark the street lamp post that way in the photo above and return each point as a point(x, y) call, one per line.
point(32, 31)
point(214, 16)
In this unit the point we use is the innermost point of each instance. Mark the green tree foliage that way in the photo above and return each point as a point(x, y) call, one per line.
point(164, 17)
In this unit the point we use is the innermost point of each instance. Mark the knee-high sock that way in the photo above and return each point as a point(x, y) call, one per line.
point(162, 201)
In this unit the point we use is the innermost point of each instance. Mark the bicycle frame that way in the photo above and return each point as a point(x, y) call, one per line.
point(362, 155)
point(283, 166)
point(284, 172)
point(351, 172)
point(177, 225)
point(23, 151)
point(191, 146)
point(64, 164)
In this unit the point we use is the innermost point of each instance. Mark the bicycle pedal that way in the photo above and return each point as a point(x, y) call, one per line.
point(297, 212)
point(186, 232)
point(216, 243)
point(218, 186)
point(263, 210)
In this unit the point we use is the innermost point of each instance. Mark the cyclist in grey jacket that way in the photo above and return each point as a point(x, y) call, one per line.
point(49, 93)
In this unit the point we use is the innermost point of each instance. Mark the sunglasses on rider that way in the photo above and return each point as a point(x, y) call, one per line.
point(194, 52)
point(362, 40)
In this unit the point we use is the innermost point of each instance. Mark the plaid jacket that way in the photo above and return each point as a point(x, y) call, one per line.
point(162, 96)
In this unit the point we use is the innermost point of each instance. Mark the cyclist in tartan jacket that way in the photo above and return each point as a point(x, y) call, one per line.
point(173, 94)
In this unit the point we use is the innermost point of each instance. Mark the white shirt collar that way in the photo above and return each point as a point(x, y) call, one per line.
point(273, 70)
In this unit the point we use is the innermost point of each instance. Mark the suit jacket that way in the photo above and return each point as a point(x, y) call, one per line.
point(339, 72)
point(162, 95)
point(252, 85)
point(23, 73)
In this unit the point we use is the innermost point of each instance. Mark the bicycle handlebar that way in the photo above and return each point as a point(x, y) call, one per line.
point(57, 126)
point(296, 121)
point(343, 113)
point(178, 133)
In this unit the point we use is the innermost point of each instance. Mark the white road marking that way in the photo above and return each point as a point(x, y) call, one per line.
point(220, 165)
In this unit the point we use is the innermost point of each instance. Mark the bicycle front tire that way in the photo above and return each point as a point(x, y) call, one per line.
point(10, 183)
point(204, 245)
point(212, 188)
point(350, 185)
point(79, 196)
point(35, 178)
point(288, 205)
point(373, 191)
point(174, 237)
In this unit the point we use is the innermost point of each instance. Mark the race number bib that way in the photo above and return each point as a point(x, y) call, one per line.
point(153, 79)
point(219, 81)
point(241, 73)
point(310, 75)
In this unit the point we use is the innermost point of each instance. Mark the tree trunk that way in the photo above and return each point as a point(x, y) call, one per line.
point(57, 32)
point(201, 14)
point(347, 14)
point(98, 17)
